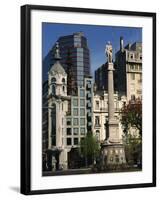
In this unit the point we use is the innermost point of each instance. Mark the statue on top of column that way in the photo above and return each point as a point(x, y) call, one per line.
point(108, 52)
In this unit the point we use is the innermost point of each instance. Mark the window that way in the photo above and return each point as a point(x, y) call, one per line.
point(82, 131)
point(82, 121)
point(79, 50)
point(75, 131)
point(132, 76)
point(53, 80)
point(69, 132)
point(75, 141)
point(136, 67)
point(53, 140)
point(82, 93)
point(62, 106)
point(133, 97)
point(97, 120)
point(53, 90)
point(132, 67)
point(111, 159)
point(97, 105)
point(140, 77)
point(63, 89)
point(80, 59)
point(106, 119)
point(75, 102)
point(80, 75)
point(82, 102)
point(97, 134)
point(75, 121)
point(131, 56)
point(68, 121)
point(140, 67)
point(82, 111)
point(63, 80)
point(117, 158)
point(75, 111)
point(69, 141)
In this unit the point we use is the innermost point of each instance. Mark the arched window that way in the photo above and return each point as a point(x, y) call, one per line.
point(63, 89)
point(62, 106)
point(53, 124)
point(53, 79)
point(97, 134)
point(53, 90)
point(63, 80)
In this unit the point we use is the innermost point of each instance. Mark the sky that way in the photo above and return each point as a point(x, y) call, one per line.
point(97, 37)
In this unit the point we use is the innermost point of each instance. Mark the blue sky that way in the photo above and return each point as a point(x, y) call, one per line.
point(97, 37)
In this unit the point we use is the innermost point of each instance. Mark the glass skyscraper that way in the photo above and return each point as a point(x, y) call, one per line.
point(74, 48)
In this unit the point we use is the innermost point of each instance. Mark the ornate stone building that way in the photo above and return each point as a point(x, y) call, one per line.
point(128, 65)
point(100, 113)
point(57, 106)
point(66, 119)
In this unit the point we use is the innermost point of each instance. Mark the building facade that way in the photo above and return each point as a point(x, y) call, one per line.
point(100, 113)
point(57, 108)
point(101, 79)
point(79, 119)
point(77, 48)
point(45, 119)
point(66, 119)
point(128, 64)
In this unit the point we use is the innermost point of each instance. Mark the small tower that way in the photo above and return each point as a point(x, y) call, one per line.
point(121, 44)
point(58, 105)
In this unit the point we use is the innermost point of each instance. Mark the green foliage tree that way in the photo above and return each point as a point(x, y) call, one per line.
point(132, 117)
point(133, 150)
point(89, 148)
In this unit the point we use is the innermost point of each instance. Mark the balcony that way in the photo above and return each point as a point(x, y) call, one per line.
point(139, 91)
point(89, 105)
point(133, 60)
point(89, 86)
point(103, 109)
point(89, 123)
point(89, 95)
point(89, 114)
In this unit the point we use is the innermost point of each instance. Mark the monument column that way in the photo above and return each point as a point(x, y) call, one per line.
point(112, 148)
point(110, 92)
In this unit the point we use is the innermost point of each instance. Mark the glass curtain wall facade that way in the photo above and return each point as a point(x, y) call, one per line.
point(77, 45)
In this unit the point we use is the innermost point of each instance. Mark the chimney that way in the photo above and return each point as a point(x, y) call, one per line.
point(121, 44)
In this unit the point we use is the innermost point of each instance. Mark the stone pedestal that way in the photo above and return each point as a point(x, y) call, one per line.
point(113, 154)
point(113, 128)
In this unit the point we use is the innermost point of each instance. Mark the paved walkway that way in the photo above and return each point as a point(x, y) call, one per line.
point(68, 172)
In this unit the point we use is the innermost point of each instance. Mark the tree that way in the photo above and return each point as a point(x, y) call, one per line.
point(89, 148)
point(133, 150)
point(132, 116)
